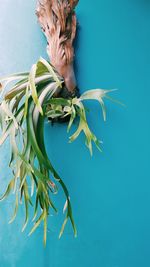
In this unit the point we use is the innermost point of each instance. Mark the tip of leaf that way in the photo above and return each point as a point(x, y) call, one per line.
point(30, 233)
point(91, 153)
point(60, 235)
point(75, 233)
point(63, 227)
point(104, 118)
point(24, 227)
point(112, 90)
point(10, 221)
point(70, 140)
point(44, 242)
point(68, 129)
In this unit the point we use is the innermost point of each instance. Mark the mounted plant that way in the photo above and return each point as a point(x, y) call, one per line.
point(48, 91)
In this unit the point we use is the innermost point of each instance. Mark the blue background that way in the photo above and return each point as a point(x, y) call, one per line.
point(110, 192)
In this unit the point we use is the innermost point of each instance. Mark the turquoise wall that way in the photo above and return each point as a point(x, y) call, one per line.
point(111, 191)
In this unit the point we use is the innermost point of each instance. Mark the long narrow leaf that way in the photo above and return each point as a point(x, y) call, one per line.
point(8, 190)
point(33, 87)
point(52, 72)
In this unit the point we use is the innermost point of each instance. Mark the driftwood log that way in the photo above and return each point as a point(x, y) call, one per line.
point(58, 22)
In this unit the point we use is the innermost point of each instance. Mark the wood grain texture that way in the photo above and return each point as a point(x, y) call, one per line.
point(58, 22)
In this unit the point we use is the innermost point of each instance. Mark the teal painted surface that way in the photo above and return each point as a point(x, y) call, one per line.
point(111, 191)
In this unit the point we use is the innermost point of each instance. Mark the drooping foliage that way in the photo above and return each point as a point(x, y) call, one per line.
point(26, 100)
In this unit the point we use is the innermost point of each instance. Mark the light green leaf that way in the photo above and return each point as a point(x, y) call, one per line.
point(8, 190)
point(7, 131)
point(95, 94)
point(15, 210)
point(18, 88)
point(42, 216)
point(26, 101)
point(51, 71)
point(45, 230)
point(72, 118)
point(26, 202)
point(59, 101)
point(15, 76)
point(54, 114)
point(33, 88)
point(83, 127)
point(63, 227)
point(8, 112)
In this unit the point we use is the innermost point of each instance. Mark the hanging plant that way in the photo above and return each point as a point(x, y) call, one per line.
point(47, 92)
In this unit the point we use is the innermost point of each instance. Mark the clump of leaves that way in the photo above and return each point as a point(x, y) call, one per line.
point(27, 99)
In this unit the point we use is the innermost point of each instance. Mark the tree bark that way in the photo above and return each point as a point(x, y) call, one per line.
point(58, 22)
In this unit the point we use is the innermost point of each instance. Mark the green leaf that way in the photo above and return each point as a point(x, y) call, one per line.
point(98, 94)
point(23, 108)
point(18, 88)
point(95, 94)
point(63, 226)
point(72, 118)
point(41, 69)
point(8, 190)
point(51, 71)
point(15, 210)
point(83, 127)
point(7, 131)
point(17, 101)
point(59, 101)
point(45, 230)
point(42, 216)
point(47, 92)
point(103, 108)
point(8, 112)
point(54, 114)
point(72, 220)
point(33, 88)
point(26, 102)
point(15, 76)
point(36, 207)
point(13, 145)
point(26, 202)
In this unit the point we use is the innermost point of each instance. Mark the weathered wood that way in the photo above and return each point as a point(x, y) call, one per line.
point(58, 22)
